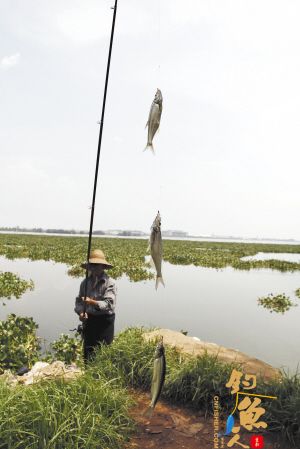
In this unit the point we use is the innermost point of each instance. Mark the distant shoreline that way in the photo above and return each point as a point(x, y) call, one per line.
point(146, 236)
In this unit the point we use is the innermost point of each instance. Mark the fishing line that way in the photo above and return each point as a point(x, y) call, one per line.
point(159, 45)
point(158, 77)
point(99, 146)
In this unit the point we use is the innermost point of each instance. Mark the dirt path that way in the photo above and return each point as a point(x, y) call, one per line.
point(173, 427)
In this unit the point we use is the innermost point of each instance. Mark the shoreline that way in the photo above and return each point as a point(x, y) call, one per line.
point(146, 237)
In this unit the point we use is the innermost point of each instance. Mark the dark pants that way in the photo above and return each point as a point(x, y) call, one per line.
point(98, 330)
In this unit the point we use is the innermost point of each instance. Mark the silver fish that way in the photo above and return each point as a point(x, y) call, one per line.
point(158, 377)
point(154, 118)
point(155, 246)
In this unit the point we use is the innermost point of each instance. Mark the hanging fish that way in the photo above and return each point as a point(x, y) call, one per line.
point(158, 377)
point(155, 246)
point(154, 118)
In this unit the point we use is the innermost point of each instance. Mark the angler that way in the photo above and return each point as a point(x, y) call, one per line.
point(95, 303)
point(97, 311)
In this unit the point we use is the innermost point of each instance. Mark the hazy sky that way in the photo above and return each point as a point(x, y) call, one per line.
point(227, 154)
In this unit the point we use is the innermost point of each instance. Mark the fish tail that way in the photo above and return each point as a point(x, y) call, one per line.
point(148, 412)
point(160, 280)
point(150, 147)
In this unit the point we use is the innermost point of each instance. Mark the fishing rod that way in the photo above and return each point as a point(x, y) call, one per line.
point(99, 147)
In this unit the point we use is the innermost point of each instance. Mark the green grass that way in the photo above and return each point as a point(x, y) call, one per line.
point(189, 380)
point(86, 413)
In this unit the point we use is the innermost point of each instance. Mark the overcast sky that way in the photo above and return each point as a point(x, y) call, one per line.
point(227, 154)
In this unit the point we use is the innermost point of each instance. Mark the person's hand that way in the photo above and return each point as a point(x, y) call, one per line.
point(83, 316)
point(89, 300)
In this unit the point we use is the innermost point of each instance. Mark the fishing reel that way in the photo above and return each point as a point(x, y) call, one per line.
point(79, 329)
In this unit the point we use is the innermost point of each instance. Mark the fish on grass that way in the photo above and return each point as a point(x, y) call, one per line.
point(154, 119)
point(155, 246)
point(158, 377)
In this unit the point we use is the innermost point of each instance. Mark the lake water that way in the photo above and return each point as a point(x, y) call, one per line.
point(218, 306)
point(288, 257)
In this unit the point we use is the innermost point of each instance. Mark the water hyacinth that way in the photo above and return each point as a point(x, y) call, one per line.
point(66, 348)
point(278, 303)
point(128, 255)
point(12, 285)
point(19, 344)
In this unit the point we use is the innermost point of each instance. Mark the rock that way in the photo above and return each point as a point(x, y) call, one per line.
point(189, 345)
point(193, 429)
point(43, 370)
point(186, 427)
point(9, 378)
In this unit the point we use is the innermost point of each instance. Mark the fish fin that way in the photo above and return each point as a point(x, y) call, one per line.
point(148, 413)
point(159, 279)
point(150, 147)
point(147, 124)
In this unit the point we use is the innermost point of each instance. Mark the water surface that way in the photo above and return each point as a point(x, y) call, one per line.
point(288, 257)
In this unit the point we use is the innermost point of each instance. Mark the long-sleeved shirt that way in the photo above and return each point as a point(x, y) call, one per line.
point(103, 290)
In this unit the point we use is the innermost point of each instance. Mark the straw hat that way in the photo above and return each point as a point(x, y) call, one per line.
point(97, 256)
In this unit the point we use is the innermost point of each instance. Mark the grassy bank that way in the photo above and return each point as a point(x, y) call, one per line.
point(194, 382)
point(90, 412)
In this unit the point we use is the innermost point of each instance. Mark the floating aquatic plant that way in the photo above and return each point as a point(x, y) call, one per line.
point(12, 285)
point(297, 293)
point(66, 348)
point(128, 255)
point(19, 344)
point(276, 303)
